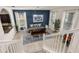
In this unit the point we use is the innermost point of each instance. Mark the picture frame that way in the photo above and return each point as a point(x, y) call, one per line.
point(38, 18)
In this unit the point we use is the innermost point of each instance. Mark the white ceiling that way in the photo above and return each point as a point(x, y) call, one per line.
point(42, 7)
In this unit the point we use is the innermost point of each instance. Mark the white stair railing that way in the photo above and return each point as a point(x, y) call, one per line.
point(57, 42)
point(50, 42)
point(13, 46)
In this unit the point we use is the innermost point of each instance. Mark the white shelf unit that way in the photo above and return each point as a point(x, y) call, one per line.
point(52, 19)
point(21, 20)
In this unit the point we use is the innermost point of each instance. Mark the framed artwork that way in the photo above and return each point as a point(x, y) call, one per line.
point(38, 18)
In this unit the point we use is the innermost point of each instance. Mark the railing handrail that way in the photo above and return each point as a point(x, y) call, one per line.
point(53, 34)
point(62, 32)
point(69, 31)
point(13, 46)
point(8, 42)
point(56, 41)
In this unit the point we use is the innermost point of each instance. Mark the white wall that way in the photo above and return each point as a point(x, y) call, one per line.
point(11, 34)
point(76, 26)
point(59, 11)
point(1, 32)
point(10, 13)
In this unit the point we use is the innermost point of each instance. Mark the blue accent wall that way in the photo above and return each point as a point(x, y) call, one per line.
point(30, 13)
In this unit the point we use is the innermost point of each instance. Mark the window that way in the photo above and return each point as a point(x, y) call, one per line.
point(68, 21)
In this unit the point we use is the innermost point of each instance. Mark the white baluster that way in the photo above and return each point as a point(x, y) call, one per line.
point(58, 43)
point(61, 43)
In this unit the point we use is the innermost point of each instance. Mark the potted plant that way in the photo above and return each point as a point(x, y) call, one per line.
point(57, 25)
